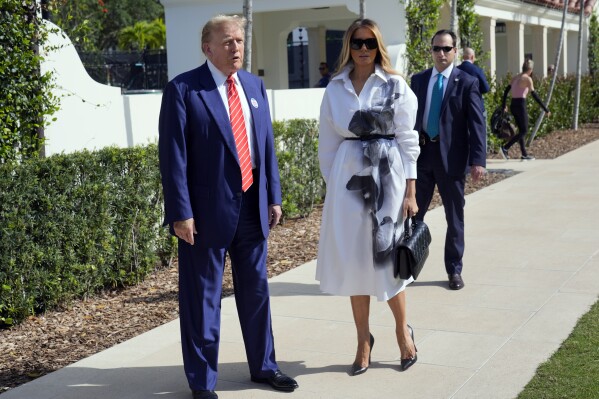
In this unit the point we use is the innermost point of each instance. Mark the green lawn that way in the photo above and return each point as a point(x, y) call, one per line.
point(573, 371)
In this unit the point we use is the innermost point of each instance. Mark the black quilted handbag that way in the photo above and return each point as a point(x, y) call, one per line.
point(412, 250)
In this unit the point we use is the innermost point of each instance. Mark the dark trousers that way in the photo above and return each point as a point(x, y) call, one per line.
point(200, 286)
point(430, 173)
point(518, 108)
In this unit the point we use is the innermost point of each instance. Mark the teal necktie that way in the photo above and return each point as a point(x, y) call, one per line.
point(434, 112)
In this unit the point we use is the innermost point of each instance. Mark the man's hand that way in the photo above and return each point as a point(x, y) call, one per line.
point(477, 172)
point(185, 229)
point(274, 215)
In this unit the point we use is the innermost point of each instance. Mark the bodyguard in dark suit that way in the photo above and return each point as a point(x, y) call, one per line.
point(468, 66)
point(222, 195)
point(453, 141)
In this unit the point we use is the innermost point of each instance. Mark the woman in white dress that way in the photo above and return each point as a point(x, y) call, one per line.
point(367, 150)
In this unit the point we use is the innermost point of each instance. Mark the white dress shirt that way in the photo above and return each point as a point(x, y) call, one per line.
point(429, 92)
point(221, 83)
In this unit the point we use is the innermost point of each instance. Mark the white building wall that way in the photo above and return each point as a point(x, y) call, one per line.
point(91, 114)
point(272, 23)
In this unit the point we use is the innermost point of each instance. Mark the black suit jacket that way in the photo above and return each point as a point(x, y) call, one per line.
point(462, 128)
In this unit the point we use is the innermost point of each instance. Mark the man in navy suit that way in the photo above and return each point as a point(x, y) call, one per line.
point(212, 212)
point(468, 66)
point(453, 141)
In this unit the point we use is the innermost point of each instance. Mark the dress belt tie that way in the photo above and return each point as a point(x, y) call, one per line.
point(370, 137)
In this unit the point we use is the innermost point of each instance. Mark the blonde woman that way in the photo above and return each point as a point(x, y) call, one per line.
point(367, 151)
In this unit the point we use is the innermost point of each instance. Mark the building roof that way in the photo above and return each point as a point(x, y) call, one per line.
point(573, 5)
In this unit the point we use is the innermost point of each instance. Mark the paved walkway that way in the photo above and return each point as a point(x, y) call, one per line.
point(531, 270)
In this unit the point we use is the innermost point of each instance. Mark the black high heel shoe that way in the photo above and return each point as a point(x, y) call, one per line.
point(407, 363)
point(356, 369)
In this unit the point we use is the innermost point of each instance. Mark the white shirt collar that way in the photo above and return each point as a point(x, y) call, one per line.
point(446, 73)
point(219, 77)
point(344, 74)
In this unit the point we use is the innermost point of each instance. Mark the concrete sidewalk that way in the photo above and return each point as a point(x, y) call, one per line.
point(531, 269)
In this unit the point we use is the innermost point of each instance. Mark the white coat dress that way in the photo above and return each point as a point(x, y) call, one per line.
point(365, 182)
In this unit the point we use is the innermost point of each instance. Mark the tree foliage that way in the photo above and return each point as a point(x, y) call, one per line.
point(25, 94)
point(594, 45)
point(469, 27)
point(143, 35)
point(422, 17)
point(95, 25)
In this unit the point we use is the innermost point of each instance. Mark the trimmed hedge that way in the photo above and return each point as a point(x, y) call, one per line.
point(73, 224)
point(302, 185)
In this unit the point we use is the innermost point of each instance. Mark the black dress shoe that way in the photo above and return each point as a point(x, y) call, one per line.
point(356, 369)
point(279, 381)
point(204, 394)
point(409, 362)
point(456, 282)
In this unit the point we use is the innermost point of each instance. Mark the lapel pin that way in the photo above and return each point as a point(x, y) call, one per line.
point(254, 102)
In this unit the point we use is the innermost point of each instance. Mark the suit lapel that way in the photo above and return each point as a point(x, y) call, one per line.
point(426, 77)
point(422, 93)
point(214, 104)
point(452, 84)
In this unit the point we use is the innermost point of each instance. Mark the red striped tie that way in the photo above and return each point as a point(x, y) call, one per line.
point(239, 132)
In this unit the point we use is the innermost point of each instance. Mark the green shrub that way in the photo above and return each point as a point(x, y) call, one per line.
point(25, 94)
point(73, 224)
point(302, 185)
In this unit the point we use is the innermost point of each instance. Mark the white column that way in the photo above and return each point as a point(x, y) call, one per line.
point(488, 30)
point(539, 49)
point(563, 61)
point(515, 45)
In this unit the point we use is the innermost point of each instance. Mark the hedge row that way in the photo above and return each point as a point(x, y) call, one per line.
point(71, 225)
point(297, 151)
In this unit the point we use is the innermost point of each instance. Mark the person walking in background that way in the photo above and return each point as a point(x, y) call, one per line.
point(367, 151)
point(519, 88)
point(453, 139)
point(222, 194)
point(468, 66)
point(325, 75)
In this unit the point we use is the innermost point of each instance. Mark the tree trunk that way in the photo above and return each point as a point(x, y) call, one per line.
point(453, 21)
point(558, 55)
point(578, 68)
point(247, 13)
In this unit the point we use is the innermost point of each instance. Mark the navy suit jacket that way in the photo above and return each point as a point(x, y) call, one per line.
point(462, 128)
point(477, 72)
point(198, 158)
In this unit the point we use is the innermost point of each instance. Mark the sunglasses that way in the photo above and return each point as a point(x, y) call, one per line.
point(356, 44)
point(446, 49)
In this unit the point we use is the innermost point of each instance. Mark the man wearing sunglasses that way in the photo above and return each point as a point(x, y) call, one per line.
point(453, 141)
point(325, 75)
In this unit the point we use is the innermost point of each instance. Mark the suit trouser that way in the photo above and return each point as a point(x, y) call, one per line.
point(430, 173)
point(200, 286)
